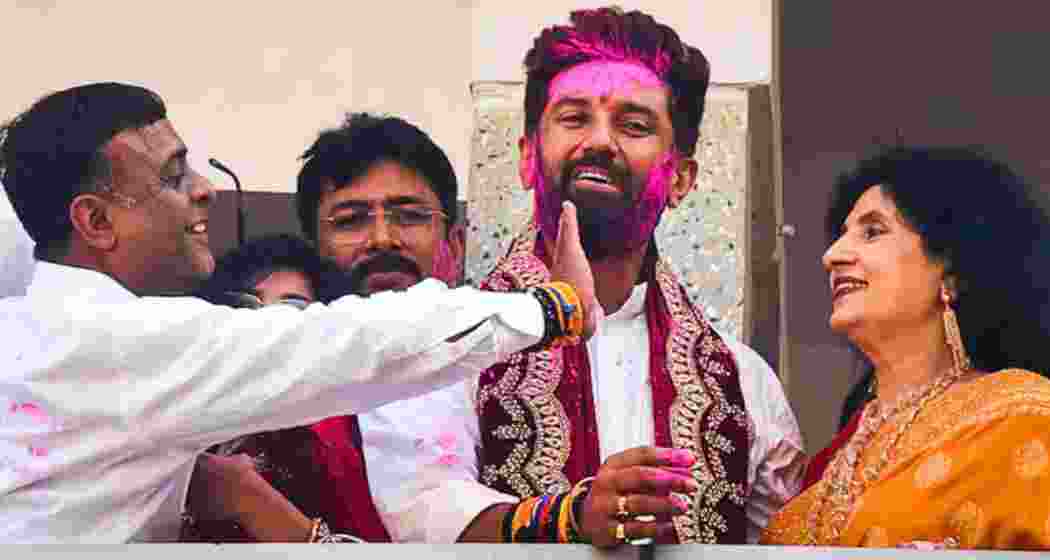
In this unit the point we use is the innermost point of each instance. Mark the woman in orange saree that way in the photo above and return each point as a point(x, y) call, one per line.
point(938, 275)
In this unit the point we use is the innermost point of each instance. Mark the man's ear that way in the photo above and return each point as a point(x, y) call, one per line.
point(92, 221)
point(457, 240)
point(525, 162)
point(683, 182)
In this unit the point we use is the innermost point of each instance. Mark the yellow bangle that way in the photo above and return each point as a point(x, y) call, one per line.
point(570, 312)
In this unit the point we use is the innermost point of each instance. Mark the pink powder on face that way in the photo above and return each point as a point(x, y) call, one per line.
point(629, 231)
point(445, 267)
point(600, 78)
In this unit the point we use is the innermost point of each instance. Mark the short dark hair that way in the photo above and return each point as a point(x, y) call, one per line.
point(53, 152)
point(348, 152)
point(991, 230)
point(610, 34)
point(243, 267)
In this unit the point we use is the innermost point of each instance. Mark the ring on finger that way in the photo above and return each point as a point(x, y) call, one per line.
point(621, 509)
point(621, 533)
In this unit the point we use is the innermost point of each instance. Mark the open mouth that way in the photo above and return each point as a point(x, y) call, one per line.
point(593, 178)
point(199, 228)
point(845, 285)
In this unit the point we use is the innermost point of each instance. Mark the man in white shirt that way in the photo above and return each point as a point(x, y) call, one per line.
point(613, 106)
point(108, 394)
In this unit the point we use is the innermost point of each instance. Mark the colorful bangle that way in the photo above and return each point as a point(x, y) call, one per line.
point(570, 304)
point(562, 314)
point(545, 518)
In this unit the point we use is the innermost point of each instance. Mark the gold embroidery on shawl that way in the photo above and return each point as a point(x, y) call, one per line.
point(539, 374)
point(697, 392)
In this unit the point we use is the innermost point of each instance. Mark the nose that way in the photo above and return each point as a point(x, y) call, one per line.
point(202, 192)
point(382, 234)
point(599, 137)
point(839, 253)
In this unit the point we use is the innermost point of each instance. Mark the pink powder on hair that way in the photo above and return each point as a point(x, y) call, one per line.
point(601, 78)
point(576, 45)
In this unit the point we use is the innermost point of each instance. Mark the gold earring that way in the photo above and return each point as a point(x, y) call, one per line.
point(952, 333)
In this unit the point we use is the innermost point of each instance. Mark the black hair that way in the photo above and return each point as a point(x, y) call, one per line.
point(611, 33)
point(53, 152)
point(346, 153)
point(243, 267)
point(988, 226)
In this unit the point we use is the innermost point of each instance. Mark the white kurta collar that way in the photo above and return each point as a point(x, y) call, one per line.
point(51, 280)
point(633, 307)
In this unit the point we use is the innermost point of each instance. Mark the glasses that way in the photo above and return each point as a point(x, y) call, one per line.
point(353, 226)
point(251, 301)
point(181, 184)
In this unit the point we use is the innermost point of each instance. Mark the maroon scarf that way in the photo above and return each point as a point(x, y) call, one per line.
point(320, 469)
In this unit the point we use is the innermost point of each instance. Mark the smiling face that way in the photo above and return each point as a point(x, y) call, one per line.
point(606, 142)
point(881, 279)
point(159, 212)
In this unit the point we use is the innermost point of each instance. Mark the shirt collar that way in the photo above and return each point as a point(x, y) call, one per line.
point(633, 307)
point(51, 280)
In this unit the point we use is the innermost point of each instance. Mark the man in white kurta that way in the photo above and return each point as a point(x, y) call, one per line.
point(611, 127)
point(108, 394)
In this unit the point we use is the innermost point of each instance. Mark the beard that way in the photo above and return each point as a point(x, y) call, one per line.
point(611, 224)
point(340, 282)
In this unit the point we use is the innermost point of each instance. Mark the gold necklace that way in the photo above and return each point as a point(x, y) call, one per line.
point(839, 487)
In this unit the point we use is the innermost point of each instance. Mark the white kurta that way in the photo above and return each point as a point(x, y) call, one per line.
point(423, 471)
point(107, 398)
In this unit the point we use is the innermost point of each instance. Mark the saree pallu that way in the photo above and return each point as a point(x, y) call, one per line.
point(972, 471)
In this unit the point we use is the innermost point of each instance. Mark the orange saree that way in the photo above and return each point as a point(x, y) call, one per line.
point(972, 471)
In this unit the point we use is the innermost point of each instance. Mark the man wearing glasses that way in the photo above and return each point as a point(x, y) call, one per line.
point(379, 199)
point(109, 393)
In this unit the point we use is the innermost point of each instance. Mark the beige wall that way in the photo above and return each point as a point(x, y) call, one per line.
point(251, 83)
point(736, 36)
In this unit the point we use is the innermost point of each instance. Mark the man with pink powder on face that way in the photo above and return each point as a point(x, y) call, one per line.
point(589, 443)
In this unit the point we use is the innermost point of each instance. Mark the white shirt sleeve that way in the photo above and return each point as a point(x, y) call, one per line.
point(777, 461)
point(179, 371)
point(16, 252)
point(422, 465)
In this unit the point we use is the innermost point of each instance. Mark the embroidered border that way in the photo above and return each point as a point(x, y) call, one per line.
point(532, 381)
point(699, 395)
